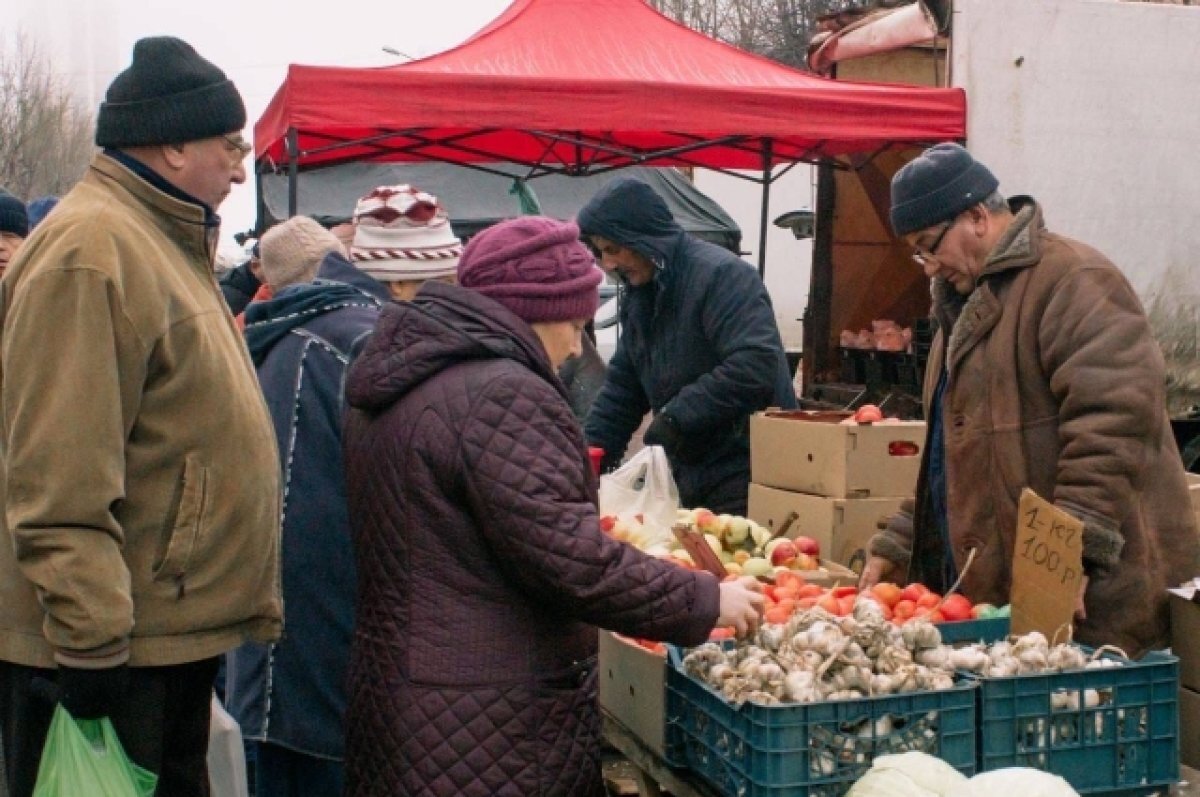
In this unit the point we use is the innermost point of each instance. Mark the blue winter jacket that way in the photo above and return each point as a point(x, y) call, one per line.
point(292, 693)
point(699, 342)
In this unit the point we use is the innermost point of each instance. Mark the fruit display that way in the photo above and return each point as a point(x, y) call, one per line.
point(748, 549)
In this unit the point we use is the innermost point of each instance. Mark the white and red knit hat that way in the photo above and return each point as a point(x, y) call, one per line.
point(402, 233)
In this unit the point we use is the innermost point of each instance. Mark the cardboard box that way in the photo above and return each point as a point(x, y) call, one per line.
point(841, 526)
point(1185, 639)
point(633, 683)
point(813, 452)
point(1189, 727)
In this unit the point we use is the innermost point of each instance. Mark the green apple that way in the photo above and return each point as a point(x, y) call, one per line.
point(757, 566)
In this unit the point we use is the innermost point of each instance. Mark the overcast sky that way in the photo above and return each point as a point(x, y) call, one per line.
point(253, 41)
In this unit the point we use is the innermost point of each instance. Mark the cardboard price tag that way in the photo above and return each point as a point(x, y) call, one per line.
point(1047, 567)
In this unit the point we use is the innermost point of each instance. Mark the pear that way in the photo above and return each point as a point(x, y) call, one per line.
point(714, 542)
point(737, 531)
point(760, 535)
point(757, 566)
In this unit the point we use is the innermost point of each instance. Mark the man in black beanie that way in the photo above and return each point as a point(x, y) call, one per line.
point(140, 475)
point(14, 227)
point(1043, 374)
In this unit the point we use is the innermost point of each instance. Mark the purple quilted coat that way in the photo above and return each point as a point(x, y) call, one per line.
point(482, 570)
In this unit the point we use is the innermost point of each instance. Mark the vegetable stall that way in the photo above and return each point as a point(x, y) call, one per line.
point(836, 683)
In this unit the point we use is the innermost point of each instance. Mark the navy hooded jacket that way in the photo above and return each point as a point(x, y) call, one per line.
point(699, 342)
point(302, 342)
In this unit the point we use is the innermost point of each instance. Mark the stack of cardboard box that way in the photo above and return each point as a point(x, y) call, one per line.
point(838, 479)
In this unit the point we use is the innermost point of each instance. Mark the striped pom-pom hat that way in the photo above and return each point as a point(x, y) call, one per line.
point(402, 233)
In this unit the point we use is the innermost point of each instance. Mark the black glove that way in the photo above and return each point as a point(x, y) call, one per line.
point(664, 431)
point(92, 694)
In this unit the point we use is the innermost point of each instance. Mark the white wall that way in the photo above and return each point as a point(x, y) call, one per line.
point(1092, 106)
point(788, 261)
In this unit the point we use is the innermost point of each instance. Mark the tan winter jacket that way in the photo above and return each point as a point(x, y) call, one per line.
point(140, 476)
point(1056, 383)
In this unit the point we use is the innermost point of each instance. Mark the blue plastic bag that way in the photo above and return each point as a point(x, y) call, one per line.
point(86, 757)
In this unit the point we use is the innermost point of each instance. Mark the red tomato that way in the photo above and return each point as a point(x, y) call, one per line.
point(956, 608)
point(830, 604)
point(769, 592)
point(811, 591)
point(841, 592)
point(807, 603)
point(788, 579)
point(886, 593)
point(846, 604)
point(721, 632)
point(777, 615)
point(913, 592)
point(903, 610)
point(933, 617)
point(929, 600)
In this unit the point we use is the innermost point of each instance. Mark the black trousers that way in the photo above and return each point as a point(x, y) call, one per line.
point(163, 725)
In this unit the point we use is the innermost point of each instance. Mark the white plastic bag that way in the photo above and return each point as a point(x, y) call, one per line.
point(226, 756)
point(642, 486)
point(908, 775)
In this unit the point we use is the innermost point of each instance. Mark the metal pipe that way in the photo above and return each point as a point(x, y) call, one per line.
point(765, 210)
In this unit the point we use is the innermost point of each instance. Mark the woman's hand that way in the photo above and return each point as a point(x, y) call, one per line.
point(741, 605)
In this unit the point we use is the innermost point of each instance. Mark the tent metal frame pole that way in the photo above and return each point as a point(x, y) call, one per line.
point(765, 210)
point(293, 147)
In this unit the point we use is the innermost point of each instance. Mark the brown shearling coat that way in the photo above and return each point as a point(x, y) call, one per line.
point(1056, 383)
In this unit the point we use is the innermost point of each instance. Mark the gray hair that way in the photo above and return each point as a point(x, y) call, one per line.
point(995, 202)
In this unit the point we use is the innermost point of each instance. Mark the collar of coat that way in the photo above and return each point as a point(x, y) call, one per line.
point(185, 222)
point(1019, 247)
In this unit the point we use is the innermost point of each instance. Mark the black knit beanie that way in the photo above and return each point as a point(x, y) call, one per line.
point(936, 186)
point(13, 217)
point(168, 95)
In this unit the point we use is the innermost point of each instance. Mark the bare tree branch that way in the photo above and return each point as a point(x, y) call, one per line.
point(778, 29)
point(45, 133)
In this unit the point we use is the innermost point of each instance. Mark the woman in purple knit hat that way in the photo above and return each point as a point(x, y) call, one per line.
point(483, 573)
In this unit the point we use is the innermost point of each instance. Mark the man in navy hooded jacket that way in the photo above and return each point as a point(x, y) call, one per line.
point(699, 347)
point(290, 697)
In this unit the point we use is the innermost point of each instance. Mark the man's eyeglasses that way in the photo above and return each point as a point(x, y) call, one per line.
point(922, 254)
point(239, 145)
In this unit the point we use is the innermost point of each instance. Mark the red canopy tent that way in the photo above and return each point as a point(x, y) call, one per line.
point(581, 86)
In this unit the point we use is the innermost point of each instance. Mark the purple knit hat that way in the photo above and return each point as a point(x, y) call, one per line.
point(535, 266)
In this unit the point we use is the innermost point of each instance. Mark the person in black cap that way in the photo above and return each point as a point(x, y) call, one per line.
point(140, 477)
point(14, 227)
point(1043, 375)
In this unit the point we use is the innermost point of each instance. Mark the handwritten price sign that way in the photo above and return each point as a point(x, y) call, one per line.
point(1047, 567)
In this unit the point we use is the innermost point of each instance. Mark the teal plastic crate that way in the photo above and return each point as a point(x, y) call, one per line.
point(991, 630)
point(814, 749)
point(1128, 745)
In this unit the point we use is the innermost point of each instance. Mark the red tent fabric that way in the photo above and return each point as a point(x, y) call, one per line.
point(590, 84)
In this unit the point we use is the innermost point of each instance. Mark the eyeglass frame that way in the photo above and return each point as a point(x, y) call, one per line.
point(921, 254)
point(240, 144)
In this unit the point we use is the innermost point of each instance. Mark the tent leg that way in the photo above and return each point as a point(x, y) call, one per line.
point(765, 209)
point(293, 146)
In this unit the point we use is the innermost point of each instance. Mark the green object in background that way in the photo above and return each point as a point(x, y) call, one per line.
point(86, 757)
point(527, 200)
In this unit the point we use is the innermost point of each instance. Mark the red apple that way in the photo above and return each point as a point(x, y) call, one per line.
point(782, 552)
point(807, 546)
point(706, 521)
